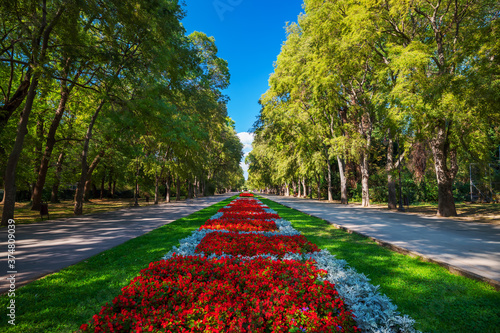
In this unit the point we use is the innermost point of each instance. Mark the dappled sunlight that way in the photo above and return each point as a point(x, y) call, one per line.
point(53, 245)
point(472, 246)
point(61, 301)
point(426, 291)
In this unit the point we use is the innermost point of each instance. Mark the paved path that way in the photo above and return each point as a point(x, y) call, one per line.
point(474, 247)
point(46, 247)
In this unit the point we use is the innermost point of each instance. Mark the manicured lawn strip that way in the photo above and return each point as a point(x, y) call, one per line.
point(61, 302)
point(436, 299)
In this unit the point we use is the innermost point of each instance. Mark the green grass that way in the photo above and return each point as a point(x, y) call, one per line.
point(436, 299)
point(62, 301)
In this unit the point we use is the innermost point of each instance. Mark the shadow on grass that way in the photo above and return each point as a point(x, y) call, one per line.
point(436, 299)
point(62, 301)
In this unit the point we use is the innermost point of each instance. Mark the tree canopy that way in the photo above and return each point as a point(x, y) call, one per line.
point(112, 91)
point(372, 85)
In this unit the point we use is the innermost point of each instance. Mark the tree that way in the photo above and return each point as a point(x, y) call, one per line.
point(437, 44)
point(41, 27)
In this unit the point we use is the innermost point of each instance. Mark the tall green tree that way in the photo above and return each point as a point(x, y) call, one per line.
point(39, 28)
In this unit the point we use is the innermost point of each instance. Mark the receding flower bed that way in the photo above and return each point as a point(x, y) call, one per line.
point(241, 224)
point(247, 270)
point(251, 244)
point(193, 294)
point(249, 215)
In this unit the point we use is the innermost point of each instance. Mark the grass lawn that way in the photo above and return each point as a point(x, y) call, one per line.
point(436, 299)
point(62, 301)
point(476, 212)
point(24, 215)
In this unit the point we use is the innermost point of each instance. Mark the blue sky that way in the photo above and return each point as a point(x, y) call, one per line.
point(248, 34)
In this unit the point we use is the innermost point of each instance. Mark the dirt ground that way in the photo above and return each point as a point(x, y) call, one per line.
point(475, 212)
point(24, 214)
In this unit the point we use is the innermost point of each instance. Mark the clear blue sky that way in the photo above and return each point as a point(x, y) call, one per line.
point(248, 34)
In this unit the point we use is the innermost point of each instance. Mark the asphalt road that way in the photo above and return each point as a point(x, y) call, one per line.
point(49, 246)
point(473, 247)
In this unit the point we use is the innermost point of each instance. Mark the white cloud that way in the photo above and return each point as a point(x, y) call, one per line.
point(244, 167)
point(247, 140)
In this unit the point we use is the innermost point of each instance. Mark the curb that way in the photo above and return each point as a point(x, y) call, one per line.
point(452, 269)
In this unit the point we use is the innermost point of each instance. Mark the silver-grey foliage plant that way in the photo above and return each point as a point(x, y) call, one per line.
point(374, 312)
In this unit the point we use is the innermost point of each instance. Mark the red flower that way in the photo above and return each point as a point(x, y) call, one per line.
point(192, 294)
point(251, 244)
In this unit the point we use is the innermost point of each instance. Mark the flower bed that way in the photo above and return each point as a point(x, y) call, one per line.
point(246, 194)
point(251, 245)
point(243, 209)
point(249, 215)
point(241, 224)
point(192, 294)
point(241, 272)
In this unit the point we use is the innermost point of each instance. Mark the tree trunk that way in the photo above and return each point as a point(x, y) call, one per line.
point(401, 208)
point(86, 190)
point(330, 187)
point(78, 209)
point(103, 181)
point(365, 174)
point(110, 183)
point(10, 106)
point(136, 192)
point(10, 170)
point(113, 189)
point(205, 188)
point(318, 186)
point(189, 187)
point(54, 197)
point(304, 187)
point(51, 141)
point(343, 181)
point(88, 182)
point(38, 154)
point(445, 173)
point(39, 48)
point(178, 190)
point(157, 186)
point(299, 192)
point(167, 189)
point(391, 184)
point(196, 187)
